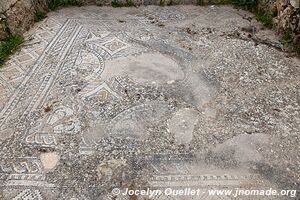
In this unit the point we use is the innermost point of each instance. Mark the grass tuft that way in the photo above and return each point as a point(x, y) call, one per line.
point(213, 2)
point(55, 4)
point(117, 3)
point(265, 18)
point(200, 2)
point(9, 46)
point(287, 41)
point(40, 15)
point(250, 5)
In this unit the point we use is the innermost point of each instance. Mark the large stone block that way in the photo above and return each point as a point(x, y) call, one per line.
point(288, 17)
point(20, 17)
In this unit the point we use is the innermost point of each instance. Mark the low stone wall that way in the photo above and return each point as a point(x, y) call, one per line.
point(16, 16)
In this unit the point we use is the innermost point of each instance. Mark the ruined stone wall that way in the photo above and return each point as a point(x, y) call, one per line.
point(288, 18)
point(288, 15)
point(16, 16)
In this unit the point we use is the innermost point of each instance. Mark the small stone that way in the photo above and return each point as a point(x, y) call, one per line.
point(49, 160)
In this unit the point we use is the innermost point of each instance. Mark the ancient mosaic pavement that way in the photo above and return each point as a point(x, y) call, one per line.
point(100, 99)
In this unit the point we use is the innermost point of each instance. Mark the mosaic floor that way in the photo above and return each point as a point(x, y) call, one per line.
point(149, 97)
